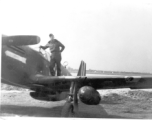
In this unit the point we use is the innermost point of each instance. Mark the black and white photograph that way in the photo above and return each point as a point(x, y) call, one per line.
point(76, 59)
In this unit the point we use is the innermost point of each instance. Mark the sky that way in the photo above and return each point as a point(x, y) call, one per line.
point(113, 35)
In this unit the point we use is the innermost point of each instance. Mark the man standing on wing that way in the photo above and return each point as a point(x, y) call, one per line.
point(56, 48)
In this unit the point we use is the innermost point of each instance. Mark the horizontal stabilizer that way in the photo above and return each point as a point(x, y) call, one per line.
point(20, 40)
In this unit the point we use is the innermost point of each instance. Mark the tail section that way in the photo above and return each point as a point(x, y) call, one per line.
point(82, 69)
point(20, 40)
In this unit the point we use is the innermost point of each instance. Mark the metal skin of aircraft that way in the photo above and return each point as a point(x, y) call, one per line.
point(24, 67)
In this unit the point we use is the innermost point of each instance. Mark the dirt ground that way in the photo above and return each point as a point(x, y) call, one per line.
point(121, 103)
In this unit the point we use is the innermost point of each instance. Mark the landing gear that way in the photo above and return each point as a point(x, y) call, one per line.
point(70, 108)
point(71, 105)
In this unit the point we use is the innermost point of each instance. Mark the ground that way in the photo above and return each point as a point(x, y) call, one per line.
point(119, 103)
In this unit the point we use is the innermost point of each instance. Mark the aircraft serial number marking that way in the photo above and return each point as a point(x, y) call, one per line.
point(15, 56)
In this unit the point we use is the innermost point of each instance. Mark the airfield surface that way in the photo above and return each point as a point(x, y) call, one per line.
point(118, 103)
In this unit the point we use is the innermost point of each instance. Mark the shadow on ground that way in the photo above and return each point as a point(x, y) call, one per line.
point(33, 111)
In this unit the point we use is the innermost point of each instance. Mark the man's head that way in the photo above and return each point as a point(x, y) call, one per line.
point(51, 36)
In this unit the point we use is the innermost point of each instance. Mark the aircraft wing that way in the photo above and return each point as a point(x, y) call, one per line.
point(50, 79)
point(99, 82)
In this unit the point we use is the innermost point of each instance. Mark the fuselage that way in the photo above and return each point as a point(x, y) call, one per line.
point(19, 63)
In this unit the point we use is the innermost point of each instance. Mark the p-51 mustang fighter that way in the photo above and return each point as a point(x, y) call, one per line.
point(25, 67)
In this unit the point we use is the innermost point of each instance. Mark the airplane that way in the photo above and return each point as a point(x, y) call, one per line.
point(25, 67)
